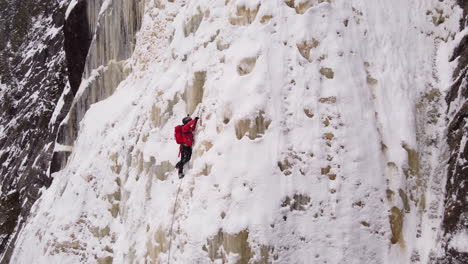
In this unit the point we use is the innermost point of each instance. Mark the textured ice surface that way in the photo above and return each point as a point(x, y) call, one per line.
point(321, 140)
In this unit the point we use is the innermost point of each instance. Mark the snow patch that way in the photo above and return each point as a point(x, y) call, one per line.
point(59, 147)
point(104, 6)
point(459, 242)
point(70, 8)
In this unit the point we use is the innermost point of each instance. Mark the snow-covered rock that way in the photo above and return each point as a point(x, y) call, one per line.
point(32, 78)
point(323, 135)
point(453, 243)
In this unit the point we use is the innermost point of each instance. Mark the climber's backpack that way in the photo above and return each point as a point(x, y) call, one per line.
point(179, 138)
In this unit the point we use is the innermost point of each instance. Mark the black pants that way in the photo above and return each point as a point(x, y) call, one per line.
point(186, 154)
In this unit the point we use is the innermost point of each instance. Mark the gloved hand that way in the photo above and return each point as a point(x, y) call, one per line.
point(196, 118)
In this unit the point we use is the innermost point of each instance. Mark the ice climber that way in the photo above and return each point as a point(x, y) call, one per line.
point(184, 137)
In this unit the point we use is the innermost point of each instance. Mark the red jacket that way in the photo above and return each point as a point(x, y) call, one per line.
point(187, 132)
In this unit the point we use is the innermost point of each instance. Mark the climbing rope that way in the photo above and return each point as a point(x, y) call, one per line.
point(200, 112)
point(172, 223)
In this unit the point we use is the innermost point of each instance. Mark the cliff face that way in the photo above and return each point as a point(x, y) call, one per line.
point(43, 46)
point(323, 136)
point(455, 223)
point(33, 76)
point(113, 27)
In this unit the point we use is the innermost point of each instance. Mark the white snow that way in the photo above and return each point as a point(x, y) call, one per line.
point(3, 87)
point(52, 31)
point(459, 242)
point(60, 104)
point(70, 8)
point(104, 6)
point(343, 143)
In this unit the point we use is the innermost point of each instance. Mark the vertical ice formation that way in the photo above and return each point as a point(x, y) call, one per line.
point(322, 137)
point(113, 26)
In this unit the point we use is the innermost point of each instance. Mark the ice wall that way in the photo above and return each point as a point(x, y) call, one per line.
point(113, 25)
point(323, 138)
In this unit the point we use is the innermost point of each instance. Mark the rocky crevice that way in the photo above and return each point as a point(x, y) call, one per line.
point(104, 66)
point(76, 45)
point(455, 218)
point(33, 76)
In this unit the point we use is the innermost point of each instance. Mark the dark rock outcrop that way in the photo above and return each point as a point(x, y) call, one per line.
point(77, 41)
point(114, 31)
point(456, 205)
point(43, 59)
point(33, 76)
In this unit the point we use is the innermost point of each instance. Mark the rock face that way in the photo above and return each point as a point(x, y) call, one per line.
point(33, 77)
point(319, 142)
point(113, 27)
point(77, 40)
point(455, 221)
point(43, 46)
